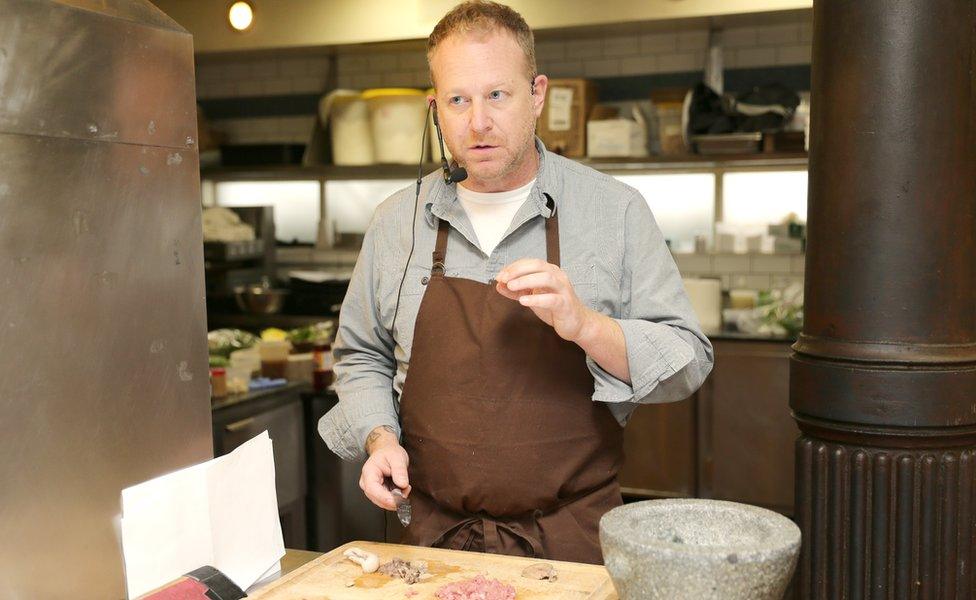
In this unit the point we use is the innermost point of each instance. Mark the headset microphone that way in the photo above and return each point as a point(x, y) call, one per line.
point(451, 175)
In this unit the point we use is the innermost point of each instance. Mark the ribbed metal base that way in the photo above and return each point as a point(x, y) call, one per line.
point(885, 522)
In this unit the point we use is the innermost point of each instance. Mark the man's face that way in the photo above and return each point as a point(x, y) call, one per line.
point(486, 108)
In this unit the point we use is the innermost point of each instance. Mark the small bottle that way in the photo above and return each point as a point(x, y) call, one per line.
point(218, 382)
point(322, 367)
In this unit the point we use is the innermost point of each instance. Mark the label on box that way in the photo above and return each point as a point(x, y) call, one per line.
point(560, 103)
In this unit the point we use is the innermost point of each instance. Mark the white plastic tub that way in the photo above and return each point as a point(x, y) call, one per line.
point(397, 124)
point(352, 137)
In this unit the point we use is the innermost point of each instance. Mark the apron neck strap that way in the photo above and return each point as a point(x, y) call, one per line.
point(440, 248)
point(443, 227)
point(552, 238)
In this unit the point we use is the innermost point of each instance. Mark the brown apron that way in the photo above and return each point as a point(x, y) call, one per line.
point(508, 452)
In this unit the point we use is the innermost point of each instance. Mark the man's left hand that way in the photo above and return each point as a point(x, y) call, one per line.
point(546, 289)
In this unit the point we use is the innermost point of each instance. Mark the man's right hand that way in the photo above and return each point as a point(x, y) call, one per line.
point(387, 458)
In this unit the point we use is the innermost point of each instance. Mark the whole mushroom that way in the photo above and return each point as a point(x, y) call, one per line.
point(367, 560)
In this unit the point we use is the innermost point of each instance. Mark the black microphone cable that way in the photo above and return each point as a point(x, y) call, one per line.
point(413, 222)
point(413, 241)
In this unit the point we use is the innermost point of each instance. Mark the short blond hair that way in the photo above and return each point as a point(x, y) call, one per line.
point(482, 17)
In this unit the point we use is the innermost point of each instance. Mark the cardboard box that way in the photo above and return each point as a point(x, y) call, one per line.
point(622, 138)
point(668, 137)
point(562, 126)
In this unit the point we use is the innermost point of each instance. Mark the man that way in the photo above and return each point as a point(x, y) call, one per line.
point(540, 305)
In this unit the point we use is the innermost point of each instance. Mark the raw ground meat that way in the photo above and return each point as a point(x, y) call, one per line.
point(479, 588)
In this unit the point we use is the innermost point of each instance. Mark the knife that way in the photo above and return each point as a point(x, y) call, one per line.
point(403, 508)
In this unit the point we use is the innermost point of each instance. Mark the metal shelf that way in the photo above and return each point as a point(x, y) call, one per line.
point(256, 323)
point(610, 165)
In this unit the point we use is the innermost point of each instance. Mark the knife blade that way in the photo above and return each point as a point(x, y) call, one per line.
point(403, 508)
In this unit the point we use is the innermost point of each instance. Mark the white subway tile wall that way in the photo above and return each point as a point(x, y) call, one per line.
point(606, 67)
point(740, 37)
point(585, 48)
point(679, 62)
point(748, 271)
point(798, 264)
point(770, 264)
point(779, 34)
point(729, 264)
point(799, 54)
point(694, 264)
point(658, 42)
point(750, 282)
point(752, 57)
point(626, 45)
point(600, 56)
point(638, 65)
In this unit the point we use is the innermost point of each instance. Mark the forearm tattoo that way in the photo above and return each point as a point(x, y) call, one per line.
point(375, 435)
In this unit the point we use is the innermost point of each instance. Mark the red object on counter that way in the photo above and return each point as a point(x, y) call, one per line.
point(185, 588)
point(218, 382)
point(322, 379)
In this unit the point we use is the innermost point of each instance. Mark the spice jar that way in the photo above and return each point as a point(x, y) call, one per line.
point(322, 361)
point(218, 382)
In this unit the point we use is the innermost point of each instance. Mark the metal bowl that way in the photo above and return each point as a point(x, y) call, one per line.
point(259, 300)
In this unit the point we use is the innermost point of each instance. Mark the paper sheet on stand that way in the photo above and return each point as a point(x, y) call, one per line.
point(223, 513)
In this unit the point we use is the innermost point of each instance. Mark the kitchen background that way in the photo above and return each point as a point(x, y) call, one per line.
point(733, 211)
point(263, 106)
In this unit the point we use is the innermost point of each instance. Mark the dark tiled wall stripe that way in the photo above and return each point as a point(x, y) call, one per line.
point(291, 105)
point(637, 87)
point(628, 87)
point(251, 155)
point(796, 77)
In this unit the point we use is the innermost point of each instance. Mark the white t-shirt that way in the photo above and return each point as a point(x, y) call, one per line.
point(491, 213)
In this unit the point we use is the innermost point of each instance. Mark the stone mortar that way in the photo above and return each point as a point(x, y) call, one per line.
point(698, 549)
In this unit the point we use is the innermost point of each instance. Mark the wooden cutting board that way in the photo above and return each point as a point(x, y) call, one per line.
point(328, 577)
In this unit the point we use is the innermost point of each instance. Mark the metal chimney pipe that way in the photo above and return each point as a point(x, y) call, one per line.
point(883, 378)
point(103, 350)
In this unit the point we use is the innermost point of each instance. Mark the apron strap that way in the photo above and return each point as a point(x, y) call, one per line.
point(440, 248)
point(552, 239)
point(443, 227)
point(461, 536)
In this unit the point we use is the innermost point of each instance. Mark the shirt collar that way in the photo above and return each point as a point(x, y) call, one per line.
point(442, 197)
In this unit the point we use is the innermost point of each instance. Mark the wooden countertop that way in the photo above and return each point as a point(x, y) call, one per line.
point(292, 560)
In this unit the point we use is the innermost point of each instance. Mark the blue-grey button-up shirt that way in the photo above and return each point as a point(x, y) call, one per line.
point(610, 247)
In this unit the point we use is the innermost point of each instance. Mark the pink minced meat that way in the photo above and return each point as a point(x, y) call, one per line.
point(479, 588)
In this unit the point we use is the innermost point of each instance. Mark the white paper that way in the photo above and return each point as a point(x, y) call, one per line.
point(560, 102)
point(222, 513)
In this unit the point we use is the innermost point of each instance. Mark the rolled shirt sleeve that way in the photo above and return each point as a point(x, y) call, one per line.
point(365, 366)
point(668, 355)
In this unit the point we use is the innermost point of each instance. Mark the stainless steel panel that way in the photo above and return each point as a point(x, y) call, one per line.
point(103, 367)
point(79, 73)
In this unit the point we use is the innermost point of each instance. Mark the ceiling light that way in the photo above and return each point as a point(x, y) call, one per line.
point(240, 15)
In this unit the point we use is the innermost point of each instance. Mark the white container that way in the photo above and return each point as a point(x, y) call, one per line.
point(760, 244)
point(397, 124)
point(725, 243)
point(300, 367)
point(274, 350)
point(352, 138)
point(249, 359)
point(743, 298)
point(238, 379)
point(706, 300)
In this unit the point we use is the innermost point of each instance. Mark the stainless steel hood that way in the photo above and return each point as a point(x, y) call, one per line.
point(103, 360)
